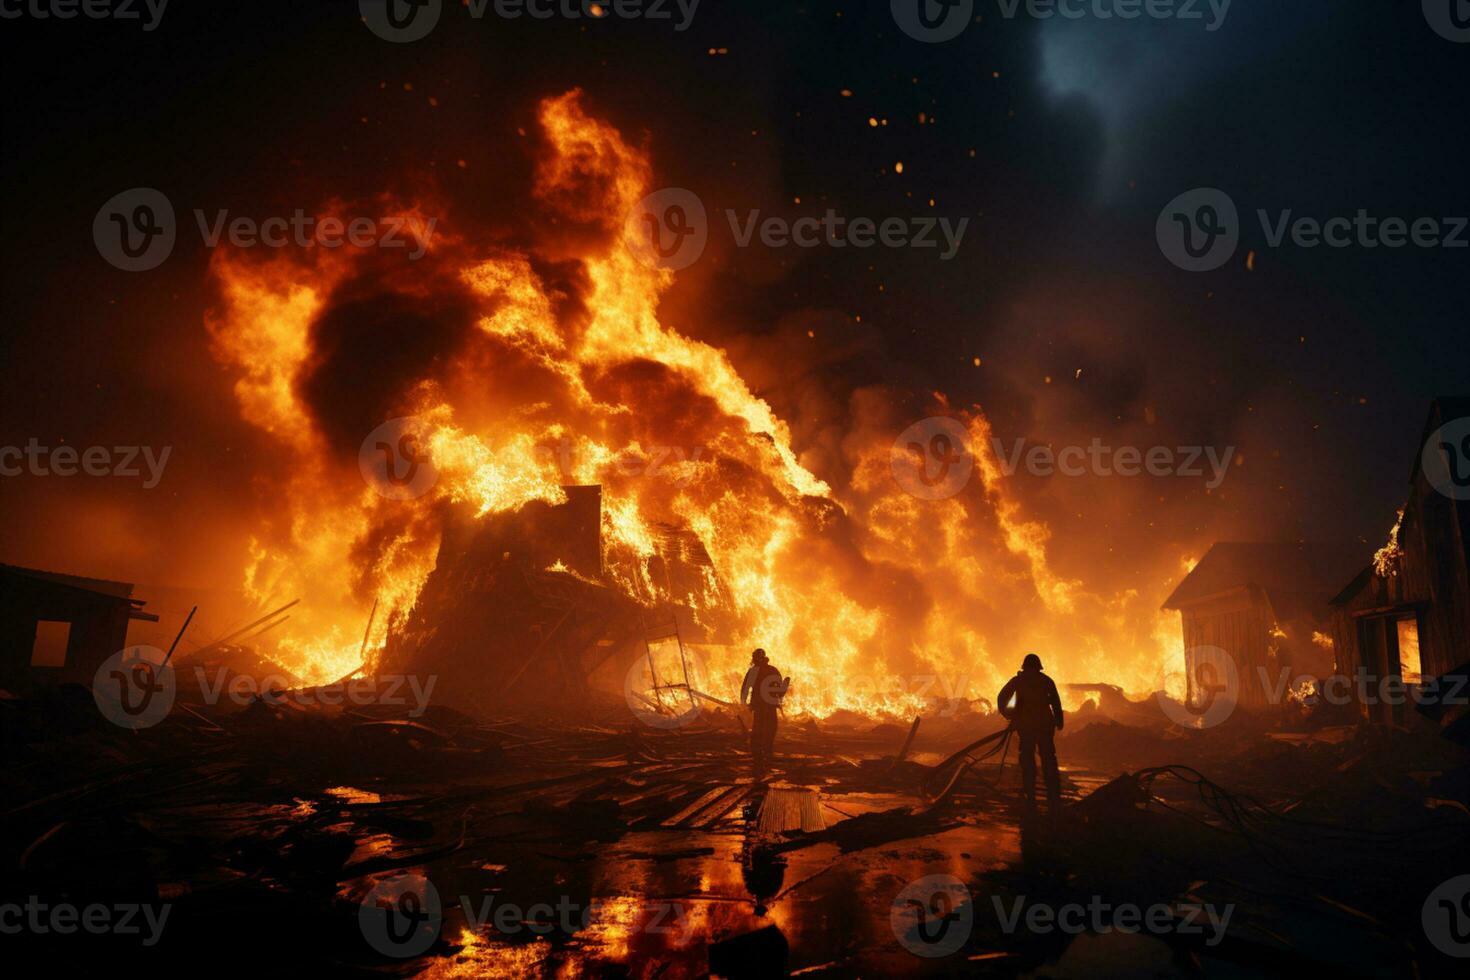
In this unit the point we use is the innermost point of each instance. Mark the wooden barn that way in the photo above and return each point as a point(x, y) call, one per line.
point(56, 627)
point(1266, 605)
point(1406, 616)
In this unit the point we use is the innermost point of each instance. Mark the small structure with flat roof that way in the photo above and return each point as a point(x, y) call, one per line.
point(56, 627)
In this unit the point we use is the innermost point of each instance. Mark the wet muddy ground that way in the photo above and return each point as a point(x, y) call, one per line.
point(652, 899)
point(451, 847)
point(654, 912)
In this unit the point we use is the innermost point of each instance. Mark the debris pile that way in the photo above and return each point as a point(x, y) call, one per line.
point(297, 807)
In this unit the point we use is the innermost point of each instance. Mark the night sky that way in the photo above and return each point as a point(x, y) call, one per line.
point(1061, 141)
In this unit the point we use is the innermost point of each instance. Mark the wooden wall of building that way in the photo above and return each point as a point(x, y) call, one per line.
point(1239, 623)
point(1427, 579)
point(99, 629)
point(1433, 571)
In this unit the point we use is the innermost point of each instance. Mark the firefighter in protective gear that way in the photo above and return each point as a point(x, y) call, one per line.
point(763, 691)
point(1035, 715)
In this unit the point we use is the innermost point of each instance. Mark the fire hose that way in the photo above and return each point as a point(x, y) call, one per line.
point(962, 761)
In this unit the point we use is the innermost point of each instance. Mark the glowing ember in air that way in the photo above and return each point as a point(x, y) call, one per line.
point(873, 600)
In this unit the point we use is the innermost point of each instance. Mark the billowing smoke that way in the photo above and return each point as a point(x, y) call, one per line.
point(535, 355)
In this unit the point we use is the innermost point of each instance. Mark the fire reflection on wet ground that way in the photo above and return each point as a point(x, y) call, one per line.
point(652, 902)
point(570, 850)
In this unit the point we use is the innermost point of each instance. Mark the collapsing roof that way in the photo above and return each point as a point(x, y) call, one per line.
point(1295, 577)
point(523, 605)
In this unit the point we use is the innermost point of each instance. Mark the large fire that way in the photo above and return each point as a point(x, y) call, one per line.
point(872, 599)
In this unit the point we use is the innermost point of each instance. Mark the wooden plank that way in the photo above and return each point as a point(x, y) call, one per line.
point(717, 810)
point(698, 804)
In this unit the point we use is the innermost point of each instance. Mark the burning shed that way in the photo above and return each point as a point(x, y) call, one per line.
point(1264, 605)
point(56, 627)
point(1406, 616)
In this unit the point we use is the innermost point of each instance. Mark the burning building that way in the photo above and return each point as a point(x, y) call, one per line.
point(539, 359)
point(1252, 610)
point(1406, 616)
point(483, 493)
point(519, 610)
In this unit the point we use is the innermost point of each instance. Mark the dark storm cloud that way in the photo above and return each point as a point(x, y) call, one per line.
point(1129, 72)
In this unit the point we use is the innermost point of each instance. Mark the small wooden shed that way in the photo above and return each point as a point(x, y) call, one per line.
point(56, 627)
point(1265, 605)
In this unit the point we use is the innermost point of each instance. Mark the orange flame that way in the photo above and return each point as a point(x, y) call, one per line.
point(872, 600)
